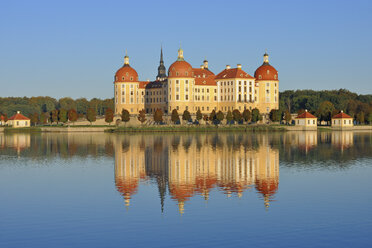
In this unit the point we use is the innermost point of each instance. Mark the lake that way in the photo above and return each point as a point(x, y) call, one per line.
point(293, 189)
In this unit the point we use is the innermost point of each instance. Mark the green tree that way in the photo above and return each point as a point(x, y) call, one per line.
point(67, 103)
point(186, 115)
point(54, 116)
point(237, 115)
point(109, 116)
point(82, 105)
point(247, 116)
point(275, 115)
point(369, 118)
point(174, 116)
point(287, 116)
point(199, 115)
point(91, 115)
point(5, 118)
point(360, 118)
point(212, 115)
point(142, 116)
point(205, 118)
point(62, 115)
point(43, 118)
point(220, 116)
point(325, 110)
point(158, 116)
point(72, 115)
point(125, 117)
point(256, 116)
point(34, 119)
point(229, 117)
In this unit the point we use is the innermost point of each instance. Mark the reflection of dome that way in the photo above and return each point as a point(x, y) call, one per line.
point(127, 188)
point(266, 71)
point(204, 185)
point(181, 193)
point(267, 187)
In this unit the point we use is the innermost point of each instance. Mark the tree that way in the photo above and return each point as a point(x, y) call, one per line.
point(158, 116)
point(72, 115)
point(325, 110)
point(360, 118)
point(186, 115)
point(220, 116)
point(247, 116)
point(43, 118)
point(212, 115)
point(125, 117)
point(142, 116)
point(91, 115)
point(205, 118)
point(67, 103)
point(62, 115)
point(54, 116)
point(34, 118)
point(175, 117)
point(5, 118)
point(287, 116)
point(82, 105)
point(256, 116)
point(237, 115)
point(109, 116)
point(229, 117)
point(275, 115)
point(300, 111)
point(369, 118)
point(199, 115)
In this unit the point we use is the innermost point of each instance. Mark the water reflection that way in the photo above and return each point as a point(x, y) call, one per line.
point(183, 166)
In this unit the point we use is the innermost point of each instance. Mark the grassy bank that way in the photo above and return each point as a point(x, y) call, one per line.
point(211, 128)
point(22, 130)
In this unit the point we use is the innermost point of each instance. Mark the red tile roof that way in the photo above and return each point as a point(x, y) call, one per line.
point(18, 117)
point(142, 84)
point(198, 72)
point(208, 81)
point(233, 73)
point(341, 116)
point(305, 115)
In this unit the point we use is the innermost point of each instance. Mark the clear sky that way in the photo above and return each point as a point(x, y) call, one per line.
point(73, 48)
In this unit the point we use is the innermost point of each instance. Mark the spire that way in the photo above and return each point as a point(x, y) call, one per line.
point(180, 54)
point(266, 58)
point(126, 58)
point(161, 68)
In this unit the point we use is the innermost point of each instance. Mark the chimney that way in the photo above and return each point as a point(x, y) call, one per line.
point(228, 67)
point(239, 66)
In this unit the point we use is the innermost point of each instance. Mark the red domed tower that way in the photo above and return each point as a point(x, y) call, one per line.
point(180, 84)
point(267, 83)
point(127, 89)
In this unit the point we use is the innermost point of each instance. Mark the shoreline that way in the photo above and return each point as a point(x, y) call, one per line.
point(179, 128)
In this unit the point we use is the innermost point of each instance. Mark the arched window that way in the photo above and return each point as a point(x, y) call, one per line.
point(259, 77)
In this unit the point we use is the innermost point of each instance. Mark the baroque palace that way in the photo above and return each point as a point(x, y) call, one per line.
point(188, 88)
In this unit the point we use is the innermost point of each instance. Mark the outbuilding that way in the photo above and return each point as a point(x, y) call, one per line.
point(342, 120)
point(18, 120)
point(306, 120)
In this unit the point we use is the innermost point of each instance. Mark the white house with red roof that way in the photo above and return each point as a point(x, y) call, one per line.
point(306, 120)
point(342, 120)
point(19, 120)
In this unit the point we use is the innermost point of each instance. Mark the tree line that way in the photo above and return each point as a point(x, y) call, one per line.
point(324, 104)
point(45, 104)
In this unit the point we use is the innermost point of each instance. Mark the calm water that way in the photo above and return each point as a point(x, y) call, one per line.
point(303, 189)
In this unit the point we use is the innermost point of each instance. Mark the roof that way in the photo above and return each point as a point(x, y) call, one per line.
point(126, 74)
point(207, 81)
point(233, 73)
point(154, 84)
point(305, 115)
point(341, 116)
point(18, 116)
point(266, 72)
point(199, 72)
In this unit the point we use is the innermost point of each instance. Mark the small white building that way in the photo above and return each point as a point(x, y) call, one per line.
point(306, 120)
point(342, 120)
point(19, 120)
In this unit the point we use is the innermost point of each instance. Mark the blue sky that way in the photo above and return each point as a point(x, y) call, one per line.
point(73, 48)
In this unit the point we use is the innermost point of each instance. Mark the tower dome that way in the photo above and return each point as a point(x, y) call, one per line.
point(180, 68)
point(266, 71)
point(126, 73)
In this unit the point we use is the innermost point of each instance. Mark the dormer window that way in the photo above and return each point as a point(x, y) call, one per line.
point(177, 73)
point(186, 73)
point(259, 77)
point(122, 78)
point(131, 78)
point(274, 76)
point(267, 71)
point(127, 74)
point(116, 78)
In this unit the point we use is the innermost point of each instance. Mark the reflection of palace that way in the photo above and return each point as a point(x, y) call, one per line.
point(17, 142)
point(193, 165)
point(342, 139)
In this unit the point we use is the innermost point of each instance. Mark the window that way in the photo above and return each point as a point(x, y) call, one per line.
point(186, 73)
point(177, 81)
point(207, 90)
point(122, 78)
point(131, 78)
point(187, 97)
point(177, 73)
point(177, 97)
point(187, 81)
point(259, 77)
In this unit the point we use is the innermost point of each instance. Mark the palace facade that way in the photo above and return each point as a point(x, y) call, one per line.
point(188, 88)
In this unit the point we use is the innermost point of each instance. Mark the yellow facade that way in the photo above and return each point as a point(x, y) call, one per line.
point(181, 91)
